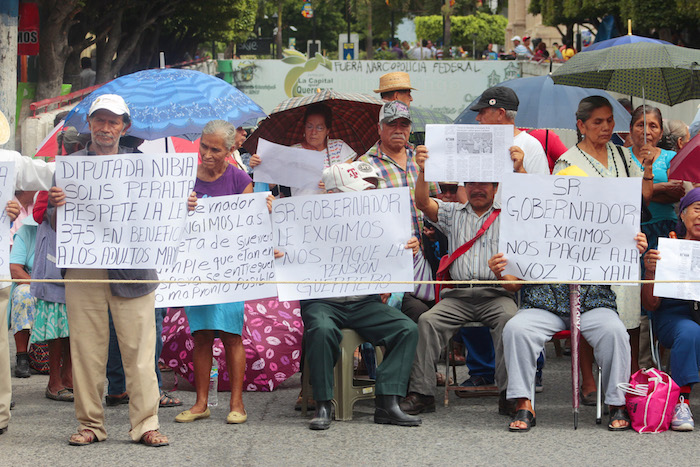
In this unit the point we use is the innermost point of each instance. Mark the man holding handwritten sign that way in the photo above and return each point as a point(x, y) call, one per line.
point(473, 226)
point(341, 237)
point(570, 228)
point(131, 305)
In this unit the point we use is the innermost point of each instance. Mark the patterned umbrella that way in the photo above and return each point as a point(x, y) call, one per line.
point(421, 116)
point(171, 102)
point(271, 336)
point(355, 118)
point(626, 39)
point(663, 73)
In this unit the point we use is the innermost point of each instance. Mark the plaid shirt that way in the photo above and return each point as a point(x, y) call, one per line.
point(395, 176)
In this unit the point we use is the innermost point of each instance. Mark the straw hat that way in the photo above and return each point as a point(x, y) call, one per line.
point(395, 81)
point(4, 129)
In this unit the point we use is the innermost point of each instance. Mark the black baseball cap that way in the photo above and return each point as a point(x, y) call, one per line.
point(498, 97)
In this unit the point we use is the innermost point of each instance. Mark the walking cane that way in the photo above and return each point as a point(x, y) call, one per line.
point(575, 314)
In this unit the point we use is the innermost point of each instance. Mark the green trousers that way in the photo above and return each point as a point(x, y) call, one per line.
point(376, 322)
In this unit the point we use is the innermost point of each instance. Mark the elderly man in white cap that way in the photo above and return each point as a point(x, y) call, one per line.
point(30, 175)
point(131, 307)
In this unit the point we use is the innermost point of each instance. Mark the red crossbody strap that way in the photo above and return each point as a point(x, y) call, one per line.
point(464, 248)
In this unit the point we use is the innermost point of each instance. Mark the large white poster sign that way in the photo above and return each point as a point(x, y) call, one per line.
point(7, 192)
point(227, 238)
point(295, 167)
point(125, 211)
point(680, 260)
point(468, 153)
point(570, 228)
point(343, 237)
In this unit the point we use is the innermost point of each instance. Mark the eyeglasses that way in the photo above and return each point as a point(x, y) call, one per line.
point(319, 128)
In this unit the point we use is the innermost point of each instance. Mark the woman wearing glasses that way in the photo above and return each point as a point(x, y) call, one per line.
point(317, 126)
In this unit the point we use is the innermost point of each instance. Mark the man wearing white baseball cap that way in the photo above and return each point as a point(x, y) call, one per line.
point(131, 306)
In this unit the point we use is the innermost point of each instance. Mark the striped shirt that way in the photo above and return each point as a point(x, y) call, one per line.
point(395, 176)
point(460, 224)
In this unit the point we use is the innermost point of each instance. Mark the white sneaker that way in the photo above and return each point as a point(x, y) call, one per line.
point(682, 417)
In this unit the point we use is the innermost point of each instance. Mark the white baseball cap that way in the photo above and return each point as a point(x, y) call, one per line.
point(367, 172)
point(344, 177)
point(112, 102)
point(516, 38)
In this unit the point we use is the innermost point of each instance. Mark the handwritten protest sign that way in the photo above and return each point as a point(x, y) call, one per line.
point(570, 228)
point(468, 153)
point(227, 238)
point(343, 237)
point(125, 211)
point(7, 192)
point(680, 260)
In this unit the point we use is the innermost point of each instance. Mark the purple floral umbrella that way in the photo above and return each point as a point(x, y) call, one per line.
point(271, 336)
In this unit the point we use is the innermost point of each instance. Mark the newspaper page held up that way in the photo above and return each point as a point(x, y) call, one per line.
point(468, 153)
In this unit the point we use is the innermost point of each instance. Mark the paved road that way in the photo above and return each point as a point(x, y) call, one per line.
point(468, 432)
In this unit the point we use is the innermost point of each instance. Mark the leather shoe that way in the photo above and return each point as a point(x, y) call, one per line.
point(415, 403)
point(388, 412)
point(322, 416)
point(22, 366)
point(505, 406)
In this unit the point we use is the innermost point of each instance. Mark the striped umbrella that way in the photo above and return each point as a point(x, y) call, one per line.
point(663, 73)
point(355, 118)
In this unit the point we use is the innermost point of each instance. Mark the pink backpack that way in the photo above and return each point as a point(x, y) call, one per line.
point(651, 396)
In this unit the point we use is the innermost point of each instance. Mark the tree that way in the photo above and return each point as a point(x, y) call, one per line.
point(568, 13)
point(488, 29)
point(57, 17)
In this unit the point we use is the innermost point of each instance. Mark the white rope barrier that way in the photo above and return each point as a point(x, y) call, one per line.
point(472, 283)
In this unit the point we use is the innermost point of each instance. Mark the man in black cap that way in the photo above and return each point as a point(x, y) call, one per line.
point(498, 106)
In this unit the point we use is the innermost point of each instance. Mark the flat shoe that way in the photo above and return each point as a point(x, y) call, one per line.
point(237, 417)
point(64, 395)
point(525, 416)
point(188, 417)
point(590, 399)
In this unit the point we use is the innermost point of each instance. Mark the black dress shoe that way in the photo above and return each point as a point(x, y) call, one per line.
point(22, 367)
point(415, 403)
point(505, 406)
point(322, 416)
point(113, 401)
point(3, 430)
point(388, 412)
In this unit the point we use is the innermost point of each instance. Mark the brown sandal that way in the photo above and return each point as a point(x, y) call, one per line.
point(83, 438)
point(154, 438)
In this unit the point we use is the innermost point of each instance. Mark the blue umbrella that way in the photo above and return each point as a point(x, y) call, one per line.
point(172, 102)
point(546, 105)
point(626, 39)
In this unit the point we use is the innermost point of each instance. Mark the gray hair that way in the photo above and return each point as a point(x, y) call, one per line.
point(222, 128)
point(674, 130)
point(510, 115)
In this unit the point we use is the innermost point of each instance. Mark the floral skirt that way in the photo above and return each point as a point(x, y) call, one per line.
point(23, 308)
point(50, 321)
